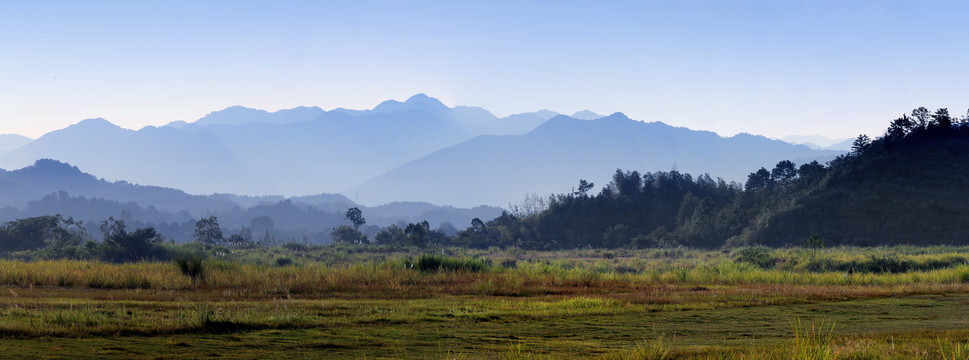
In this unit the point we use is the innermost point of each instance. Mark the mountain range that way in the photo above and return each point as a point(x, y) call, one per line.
point(819, 142)
point(52, 187)
point(553, 157)
point(415, 150)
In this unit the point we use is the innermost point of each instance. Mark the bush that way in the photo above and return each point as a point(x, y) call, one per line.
point(759, 256)
point(509, 263)
point(885, 264)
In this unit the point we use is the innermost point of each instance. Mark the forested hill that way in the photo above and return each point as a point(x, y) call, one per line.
point(908, 186)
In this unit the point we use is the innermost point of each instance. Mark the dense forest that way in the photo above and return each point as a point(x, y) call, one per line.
point(905, 187)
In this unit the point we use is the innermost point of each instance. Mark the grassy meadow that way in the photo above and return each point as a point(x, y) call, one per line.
point(354, 302)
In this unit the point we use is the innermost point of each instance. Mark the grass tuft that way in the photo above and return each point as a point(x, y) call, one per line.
point(193, 267)
point(656, 349)
point(434, 263)
point(813, 343)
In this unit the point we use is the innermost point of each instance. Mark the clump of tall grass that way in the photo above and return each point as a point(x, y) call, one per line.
point(814, 343)
point(656, 349)
point(193, 267)
point(434, 263)
point(955, 351)
point(516, 351)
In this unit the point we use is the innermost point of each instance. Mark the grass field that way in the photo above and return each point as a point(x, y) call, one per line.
point(345, 302)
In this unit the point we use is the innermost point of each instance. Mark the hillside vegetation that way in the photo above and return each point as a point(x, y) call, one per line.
point(905, 187)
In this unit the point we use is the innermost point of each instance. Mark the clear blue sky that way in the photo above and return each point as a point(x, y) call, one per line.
point(835, 68)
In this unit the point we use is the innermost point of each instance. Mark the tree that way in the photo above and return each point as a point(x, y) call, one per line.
point(391, 235)
point(348, 235)
point(584, 187)
point(860, 144)
point(900, 127)
point(356, 217)
point(243, 238)
point(447, 228)
point(921, 116)
point(812, 171)
point(41, 232)
point(815, 242)
point(477, 225)
point(784, 173)
point(207, 231)
point(417, 234)
point(759, 180)
point(942, 119)
point(262, 224)
point(124, 246)
point(627, 183)
point(615, 236)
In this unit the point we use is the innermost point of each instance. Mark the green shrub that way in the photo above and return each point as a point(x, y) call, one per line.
point(759, 256)
point(509, 263)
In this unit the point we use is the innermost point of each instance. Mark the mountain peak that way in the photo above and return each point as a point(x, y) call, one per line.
point(9, 142)
point(53, 168)
point(416, 102)
point(233, 115)
point(618, 115)
point(420, 98)
point(95, 122)
point(585, 115)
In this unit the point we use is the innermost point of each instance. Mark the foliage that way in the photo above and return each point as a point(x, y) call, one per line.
point(207, 231)
point(348, 235)
point(899, 188)
point(759, 256)
point(392, 235)
point(814, 242)
point(355, 215)
point(121, 245)
point(52, 232)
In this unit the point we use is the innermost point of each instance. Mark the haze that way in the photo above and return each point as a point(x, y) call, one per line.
point(766, 67)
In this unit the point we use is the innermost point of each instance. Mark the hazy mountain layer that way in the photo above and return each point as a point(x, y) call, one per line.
point(9, 142)
point(418, 150)
point(499, 170)
point(288, 152)
point(52, 187)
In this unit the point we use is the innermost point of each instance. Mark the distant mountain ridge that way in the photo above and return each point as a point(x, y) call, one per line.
point(9, 142)
point(554, 156)
point(50, 186)
point(819, 142)
point(418, 150)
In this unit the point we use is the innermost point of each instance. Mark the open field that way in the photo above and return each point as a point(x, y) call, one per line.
point(643, 304)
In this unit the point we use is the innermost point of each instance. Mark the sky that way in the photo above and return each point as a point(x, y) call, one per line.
point(775, 68)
